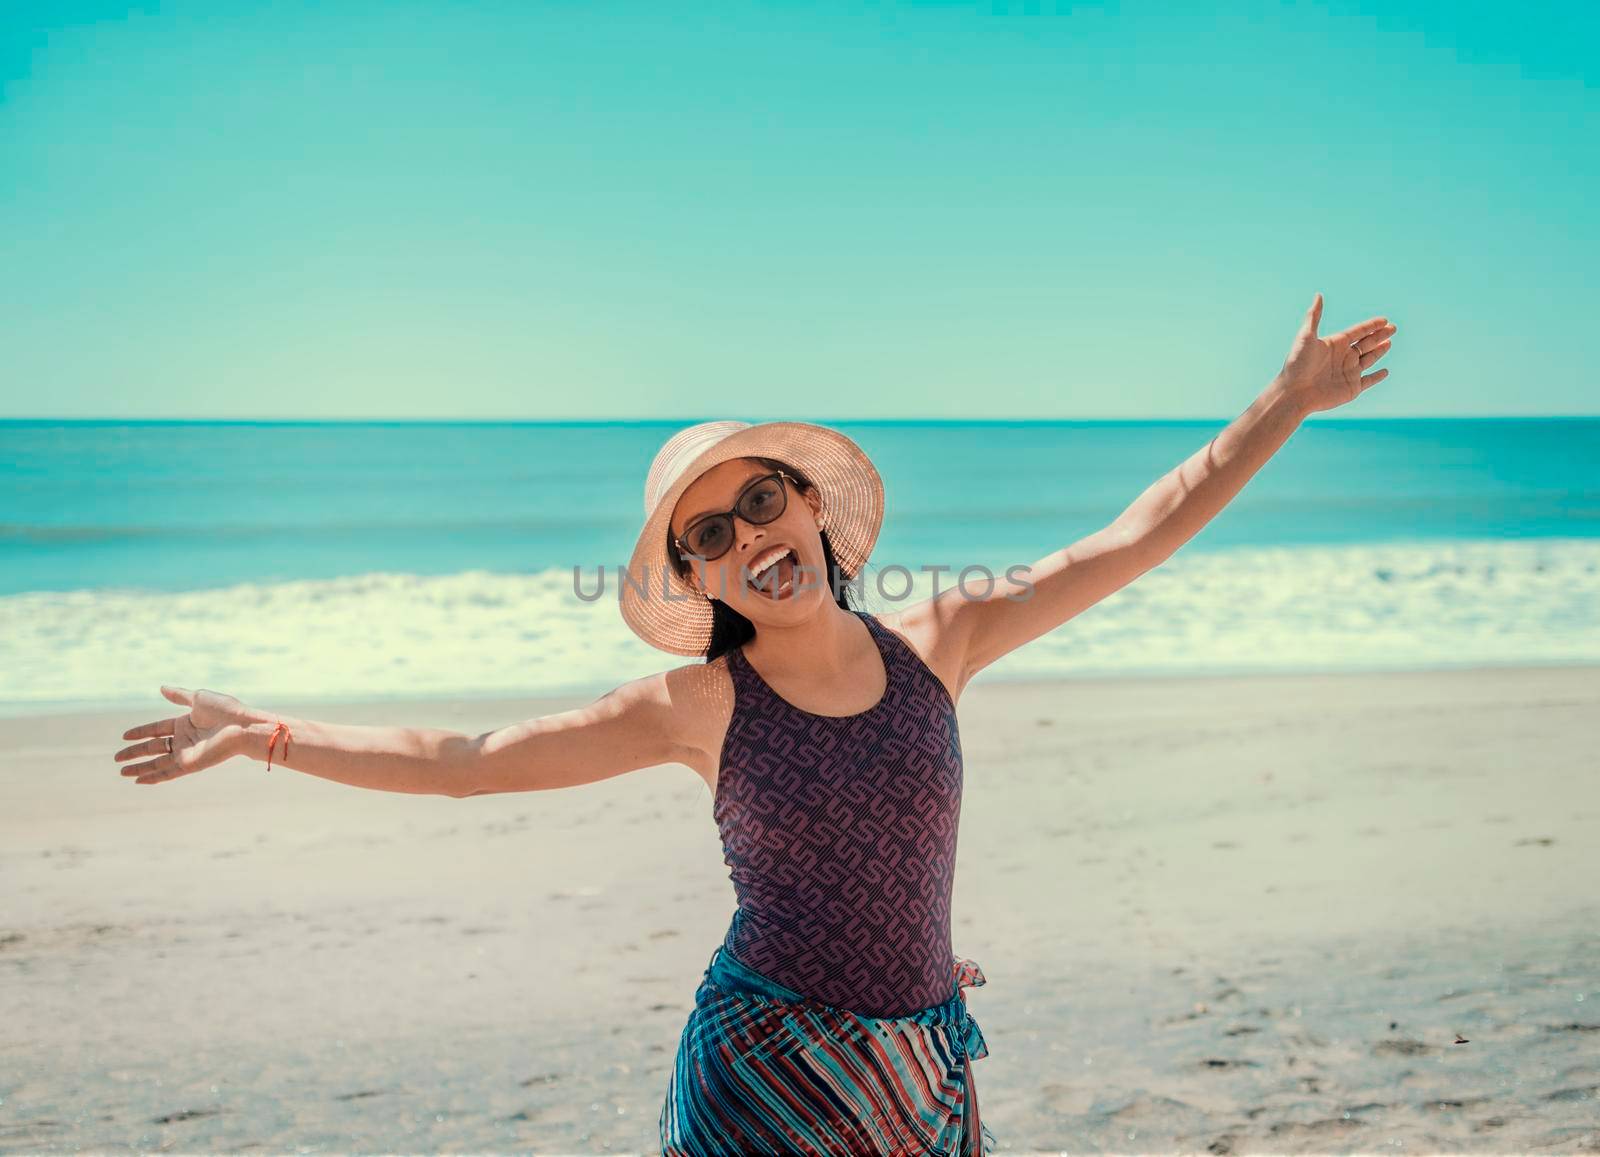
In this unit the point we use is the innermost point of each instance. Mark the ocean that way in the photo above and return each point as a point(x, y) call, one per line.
point(337, 560)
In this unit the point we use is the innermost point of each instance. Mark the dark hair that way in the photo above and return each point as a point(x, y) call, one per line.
point(730, 629)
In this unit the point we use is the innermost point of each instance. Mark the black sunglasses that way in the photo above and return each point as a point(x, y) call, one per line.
point(762, 500)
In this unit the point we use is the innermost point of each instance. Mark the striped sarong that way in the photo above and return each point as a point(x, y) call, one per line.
point(762, 1069)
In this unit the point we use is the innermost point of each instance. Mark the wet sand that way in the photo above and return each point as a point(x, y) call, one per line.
point(1230, 915)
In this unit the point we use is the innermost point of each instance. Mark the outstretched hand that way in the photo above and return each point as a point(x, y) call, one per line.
point(1325, 372)
point(207, 735)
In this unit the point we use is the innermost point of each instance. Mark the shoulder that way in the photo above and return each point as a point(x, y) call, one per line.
point(701, 696)
point(926, 627)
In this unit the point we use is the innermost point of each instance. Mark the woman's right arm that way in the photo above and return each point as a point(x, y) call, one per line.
point(636, 725)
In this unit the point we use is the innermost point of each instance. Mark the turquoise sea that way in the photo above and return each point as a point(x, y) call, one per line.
point(298, 560)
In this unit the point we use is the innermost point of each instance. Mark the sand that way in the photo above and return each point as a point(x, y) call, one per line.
point(1226, 915)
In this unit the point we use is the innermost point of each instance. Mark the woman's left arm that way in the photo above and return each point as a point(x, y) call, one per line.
point(1320, 373)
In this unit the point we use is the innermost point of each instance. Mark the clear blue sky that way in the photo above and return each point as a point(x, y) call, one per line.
point(529, 210)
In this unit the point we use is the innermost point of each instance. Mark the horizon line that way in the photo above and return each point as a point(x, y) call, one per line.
point(692, 420)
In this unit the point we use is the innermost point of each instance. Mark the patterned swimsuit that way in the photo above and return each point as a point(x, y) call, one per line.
point(831, 1019)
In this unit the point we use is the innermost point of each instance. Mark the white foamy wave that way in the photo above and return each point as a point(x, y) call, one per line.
point(1367, 607)
point(1360, 607)
point(371, 636)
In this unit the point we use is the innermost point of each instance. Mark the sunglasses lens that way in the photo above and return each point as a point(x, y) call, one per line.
point(764, 501)
point(712, 537)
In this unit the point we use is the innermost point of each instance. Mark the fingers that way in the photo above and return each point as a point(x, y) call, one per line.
point(1372, 355)
point(156, 771)
point(1313, 316)
point(1363, 329)
point(159, 727)
point(161, 765)
point(184, 761)
point(1382, 333)
point(162, 768)
point(157, 746)
point(162, 726)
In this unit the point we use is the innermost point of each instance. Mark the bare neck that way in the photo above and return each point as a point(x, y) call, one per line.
point(824, 646)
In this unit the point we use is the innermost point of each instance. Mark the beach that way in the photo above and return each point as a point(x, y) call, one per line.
point(1233, 914)
point(356, 357)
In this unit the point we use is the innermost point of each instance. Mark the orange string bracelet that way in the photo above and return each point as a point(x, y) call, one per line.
point(273, 742)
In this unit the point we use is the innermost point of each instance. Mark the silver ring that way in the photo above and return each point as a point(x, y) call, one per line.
point(169, 745)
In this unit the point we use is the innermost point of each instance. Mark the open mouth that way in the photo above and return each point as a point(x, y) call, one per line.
point(775, 579)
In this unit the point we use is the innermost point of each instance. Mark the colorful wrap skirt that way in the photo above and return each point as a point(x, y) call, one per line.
point(762, 1069)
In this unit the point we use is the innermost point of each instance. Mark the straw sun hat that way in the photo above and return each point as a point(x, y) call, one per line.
point(667, 611)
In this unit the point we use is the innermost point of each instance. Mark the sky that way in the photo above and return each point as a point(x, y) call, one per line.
point(813, 211)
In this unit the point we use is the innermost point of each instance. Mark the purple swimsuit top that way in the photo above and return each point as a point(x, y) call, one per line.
point(840, 836)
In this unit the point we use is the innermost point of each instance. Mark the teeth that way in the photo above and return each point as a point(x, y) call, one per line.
point(782, 554)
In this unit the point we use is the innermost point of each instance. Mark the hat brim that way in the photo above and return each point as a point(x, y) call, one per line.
point(666, 611)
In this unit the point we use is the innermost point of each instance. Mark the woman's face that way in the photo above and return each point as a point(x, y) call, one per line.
point(787, 593)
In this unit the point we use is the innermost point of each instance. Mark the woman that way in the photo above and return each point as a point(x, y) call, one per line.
point(831, 1018)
